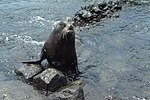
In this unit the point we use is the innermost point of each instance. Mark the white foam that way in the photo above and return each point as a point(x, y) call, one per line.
point(34, 42)
point(6, 39)
point(25, 39)
point(29, 40)
point(37, 18)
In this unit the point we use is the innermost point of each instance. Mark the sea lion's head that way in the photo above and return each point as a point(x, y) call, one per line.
point(68, 31)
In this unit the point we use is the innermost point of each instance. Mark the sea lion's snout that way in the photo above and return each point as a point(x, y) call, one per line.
point(69, 23)
point(68, 31)
point(69, 28)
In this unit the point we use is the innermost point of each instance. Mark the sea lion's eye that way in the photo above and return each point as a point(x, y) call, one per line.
point(62, 24)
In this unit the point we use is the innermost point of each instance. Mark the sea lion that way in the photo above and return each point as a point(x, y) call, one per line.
point(59, 49)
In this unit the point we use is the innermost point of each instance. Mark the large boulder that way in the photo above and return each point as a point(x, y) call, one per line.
point(73, 91)
point(50, 80)
point(56, 85)
point(28, 71)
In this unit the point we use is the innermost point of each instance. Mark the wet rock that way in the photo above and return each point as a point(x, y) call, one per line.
point(134, 2)
point(17, 90)
point(50, 80)
point(28, 71)
point(102, 5)
point(123, 1)
point(73, 91)
point(116, 7)
point(96, 12)
point(96, 9)
point(85, 14)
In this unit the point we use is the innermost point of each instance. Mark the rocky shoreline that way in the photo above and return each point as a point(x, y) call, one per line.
point(91, 14)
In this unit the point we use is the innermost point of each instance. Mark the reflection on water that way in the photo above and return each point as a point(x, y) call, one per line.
point(114, 56)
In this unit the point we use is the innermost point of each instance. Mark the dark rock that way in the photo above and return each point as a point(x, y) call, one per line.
point(131, 2)
point(108, 14)
point(89, 7)
point(123, 1)
point(94, 13)
point(96, 9)
point(110, 2)
point(50, 80)
point(73, 91)
point(28, 71)
point(102, 5)
point(117, 3)
point(85, 14)
point(117, 7)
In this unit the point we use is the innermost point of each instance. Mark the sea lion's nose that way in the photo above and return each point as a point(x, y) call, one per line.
point(70, 27)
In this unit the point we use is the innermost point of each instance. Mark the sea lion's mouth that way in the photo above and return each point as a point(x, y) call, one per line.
point(70, 29)
point(67, 35)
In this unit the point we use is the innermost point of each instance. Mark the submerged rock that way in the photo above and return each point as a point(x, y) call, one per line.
point(50, 80)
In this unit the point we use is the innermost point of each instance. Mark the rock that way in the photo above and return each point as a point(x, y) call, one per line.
point(95, 12)
point(17, 90)
point(50, 80)
point(102, 5)
point(28, 71)
point(73, 91)
point(116, 8)
point(95, 9)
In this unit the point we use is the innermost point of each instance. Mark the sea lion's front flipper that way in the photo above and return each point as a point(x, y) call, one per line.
point(43, 56)
point(32, 62)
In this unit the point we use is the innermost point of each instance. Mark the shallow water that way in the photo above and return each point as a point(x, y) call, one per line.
point(114, 56)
